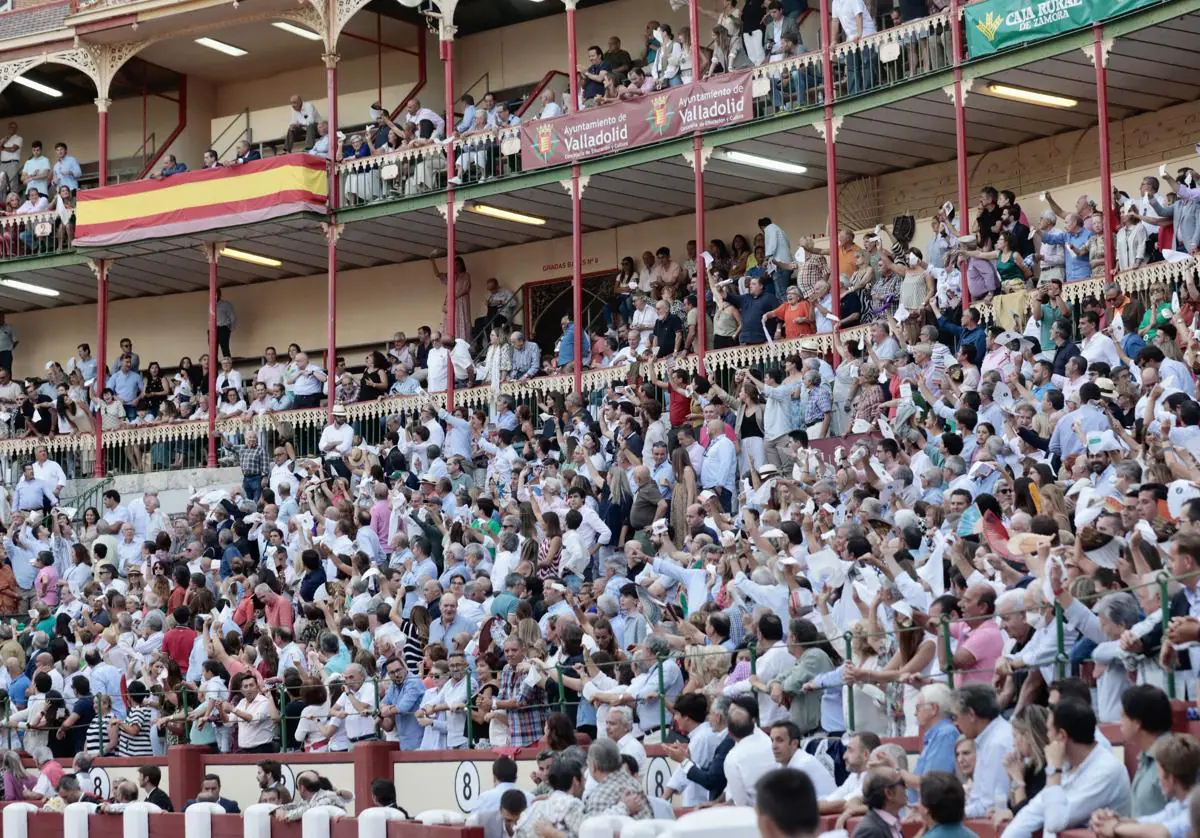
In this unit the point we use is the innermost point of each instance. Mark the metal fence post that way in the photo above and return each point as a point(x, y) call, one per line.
point(562, 695)
point(949, 668)
point(1164, 597)
point(1060, 659)
point(470, 707)
point(849, 638)
point(753, 657)
point(283, 743)
point(662, 701)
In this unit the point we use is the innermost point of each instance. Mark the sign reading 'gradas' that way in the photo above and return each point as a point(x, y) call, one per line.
point(994, 25)
point(661, 115)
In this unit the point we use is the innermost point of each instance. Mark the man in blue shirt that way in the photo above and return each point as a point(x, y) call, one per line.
point(127, 385)
point(31, 494)
point(753, 307)
point(451, 623)
point(66, 169)
point(400, 703)
point(937, 745)
point(18, 685)
point(566, 347)
point(1075, 239)
point(971, 333)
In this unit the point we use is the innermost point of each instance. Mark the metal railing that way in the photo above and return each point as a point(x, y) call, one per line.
point(176, 445)
point(875, 691)
point(244, 116)
point(35, 234)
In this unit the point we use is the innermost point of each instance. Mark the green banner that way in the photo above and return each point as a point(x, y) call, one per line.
point(993, 25)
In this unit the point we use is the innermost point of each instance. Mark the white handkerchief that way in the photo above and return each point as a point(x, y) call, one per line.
point(902, 313)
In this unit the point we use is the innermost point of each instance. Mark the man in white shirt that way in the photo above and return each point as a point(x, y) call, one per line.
point(694, 719)
point(305, 381)
point(773, 660)
point(785, 745)
point(357, 705)
point(978, 718)
point(1081, 776)
point(336, 440)
point(618, 726)
point(857, 22)
point(504, 777)
point(1097, 346)
point(271, 372)
point(10, 160)
point(779, 252)
point(438, 362)
point(416, 114)
point(550, 106)
point(49, 472)
point(302, 122)
point(37, 170)
point(35, 201)
point(751, 755)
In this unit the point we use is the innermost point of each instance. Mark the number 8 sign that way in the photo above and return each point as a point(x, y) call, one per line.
point(96, 783)
point(467, 786)
point(658, 772)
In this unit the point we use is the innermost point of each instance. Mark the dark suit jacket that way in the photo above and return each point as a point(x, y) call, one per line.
point(712, 776)
point(229, 806)
point(1152, 642)
point(160, 799)
point(872, 826)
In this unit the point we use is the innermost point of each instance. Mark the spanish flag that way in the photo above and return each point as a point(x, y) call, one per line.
point(202, 200)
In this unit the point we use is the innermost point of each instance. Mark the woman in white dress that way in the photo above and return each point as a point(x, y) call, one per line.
point(845, 384)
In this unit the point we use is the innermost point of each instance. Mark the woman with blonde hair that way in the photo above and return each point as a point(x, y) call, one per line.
point(707, 667)
point(17, 782)
point(530, 635)
point(686, 490)
point(1054, 504)
point(1026, 762)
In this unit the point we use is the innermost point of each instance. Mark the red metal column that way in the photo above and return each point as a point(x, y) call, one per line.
point(447, 45)
point(213, 253)
point(101, 267)
point(698, 180)
point(576, 208)
point(102, 106)
point(960, 135)
point(830, 157)
point(331, 233)
point(1106, 202)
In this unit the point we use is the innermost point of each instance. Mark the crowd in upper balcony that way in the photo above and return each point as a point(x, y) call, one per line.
point(47, 187)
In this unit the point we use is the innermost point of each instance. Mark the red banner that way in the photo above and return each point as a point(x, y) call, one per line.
point(661, 115)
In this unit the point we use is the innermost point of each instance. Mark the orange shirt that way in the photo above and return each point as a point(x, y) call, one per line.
point(846, 259)
point(789, 313)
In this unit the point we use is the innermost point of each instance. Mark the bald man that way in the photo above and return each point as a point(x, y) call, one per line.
point(718, 471)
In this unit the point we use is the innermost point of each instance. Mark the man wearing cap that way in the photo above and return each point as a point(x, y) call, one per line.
point(335, 442)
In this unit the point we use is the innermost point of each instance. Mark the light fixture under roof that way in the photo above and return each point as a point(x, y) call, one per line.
point(763, 162)
point(221, 46)
point(29, 288)
point(38, 86)
point(506, 215)
point(1032, 97)
point(252, 258)
point(296, 30)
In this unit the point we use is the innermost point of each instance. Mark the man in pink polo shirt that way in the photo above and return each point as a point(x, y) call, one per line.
point(980, 642)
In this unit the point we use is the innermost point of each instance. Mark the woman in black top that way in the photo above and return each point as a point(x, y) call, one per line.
point(375, 379)
point(155, 392)
point(1026, 762)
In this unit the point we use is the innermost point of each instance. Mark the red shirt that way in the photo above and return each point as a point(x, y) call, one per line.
point(679, 408)
point(178, 644)
point(177, 598)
